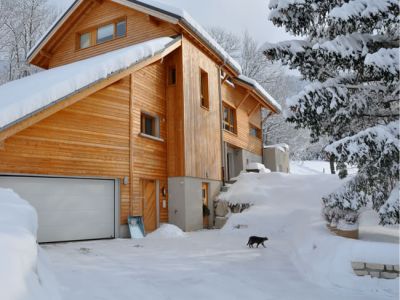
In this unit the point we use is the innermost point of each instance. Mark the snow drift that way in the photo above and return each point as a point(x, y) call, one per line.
point(167, 231)
point(24, 274)
point(287, 209)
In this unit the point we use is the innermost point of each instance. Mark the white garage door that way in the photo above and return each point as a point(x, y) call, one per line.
point(68, 209)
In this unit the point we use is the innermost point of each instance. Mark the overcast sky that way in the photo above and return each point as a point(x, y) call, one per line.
point(233, 15)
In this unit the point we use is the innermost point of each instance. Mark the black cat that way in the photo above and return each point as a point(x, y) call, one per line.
point(256, 240)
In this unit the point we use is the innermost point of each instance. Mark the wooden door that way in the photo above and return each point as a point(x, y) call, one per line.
point(205, 202)
point(149, 205)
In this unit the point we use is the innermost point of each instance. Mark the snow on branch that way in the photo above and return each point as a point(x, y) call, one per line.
point(384, 61)
point(353, 45)
point(389, 212)
point(283, 4)
point(373, 144)
point(293, 46)
point(363, 8)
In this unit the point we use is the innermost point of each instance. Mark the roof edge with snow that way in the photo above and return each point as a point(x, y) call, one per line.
point(261, 91)
point(24, 98)
point(165, 12)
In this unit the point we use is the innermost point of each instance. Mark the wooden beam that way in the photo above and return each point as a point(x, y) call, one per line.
point(254, 109)
point(225, 79)
point(45, 54)
point(83, 93)
point(154, 20)
point(256, 96)
point(2, 145)
point(244, 99)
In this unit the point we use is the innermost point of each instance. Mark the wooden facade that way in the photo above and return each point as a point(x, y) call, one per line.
point(62, 49)
point(248, 112)
point(87, 139)
point(99, 134)
point(202, 134)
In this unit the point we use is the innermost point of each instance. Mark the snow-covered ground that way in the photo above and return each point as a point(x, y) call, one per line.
point(311, 167)
point(302, 259)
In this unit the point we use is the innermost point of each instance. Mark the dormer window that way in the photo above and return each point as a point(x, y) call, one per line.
point(102, 34)
point(85, 40)
point(105, 33)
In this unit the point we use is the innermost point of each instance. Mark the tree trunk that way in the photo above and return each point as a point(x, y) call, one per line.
point(332, 163)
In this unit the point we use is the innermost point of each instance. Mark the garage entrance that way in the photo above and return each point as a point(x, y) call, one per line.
point(69, 209)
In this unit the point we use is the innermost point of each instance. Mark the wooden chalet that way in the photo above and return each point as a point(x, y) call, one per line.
point(138, 112)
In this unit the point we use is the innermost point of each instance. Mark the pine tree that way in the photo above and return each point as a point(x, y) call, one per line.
point(350, 53)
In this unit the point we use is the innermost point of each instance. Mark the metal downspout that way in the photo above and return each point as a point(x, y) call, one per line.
point(221, 124)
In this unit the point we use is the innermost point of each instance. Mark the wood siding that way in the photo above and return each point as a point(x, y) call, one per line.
point(175, 125)
point(140, 28)
point(87, 139)
point(242, 139)
point(201, 126)
point(149, 157)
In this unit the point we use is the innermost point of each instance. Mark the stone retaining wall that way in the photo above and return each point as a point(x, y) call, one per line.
point(351, 234)
point(223, 209)
point(375, 270)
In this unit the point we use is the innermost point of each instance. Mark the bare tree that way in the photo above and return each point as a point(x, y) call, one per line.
point(254, 63)
point(229, 41)
point(22, 22)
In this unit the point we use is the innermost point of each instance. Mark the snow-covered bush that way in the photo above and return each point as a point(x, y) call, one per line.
point(350, 54)
point(344, 204)
point(376, 153)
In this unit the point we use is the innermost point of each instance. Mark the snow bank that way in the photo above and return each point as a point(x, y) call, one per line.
point(313, 167)
point(24, 274)
point(257, 166)
point(167, 231)
point(287, 209)
point(25, 96)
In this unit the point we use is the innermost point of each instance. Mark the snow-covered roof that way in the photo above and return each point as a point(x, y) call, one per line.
point(173, 13)
point(21, 98)
point(267, 97)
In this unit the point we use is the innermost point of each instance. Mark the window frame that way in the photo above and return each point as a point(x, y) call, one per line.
point(155, 126)
point(258, 131)
point(93, 33)
point(172, 69)
point(204, 89)
point(232, 120)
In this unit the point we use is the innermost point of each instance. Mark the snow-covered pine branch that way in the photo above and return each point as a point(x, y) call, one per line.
point(349, 50)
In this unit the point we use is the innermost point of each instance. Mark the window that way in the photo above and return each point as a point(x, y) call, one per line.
point(204, 89)
point(102, 34)
point(172, 75)
point(105, 33)
point(150, 125)
point(229, 118)
point(254, 131)
point(120, 29)
point(85, 40)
